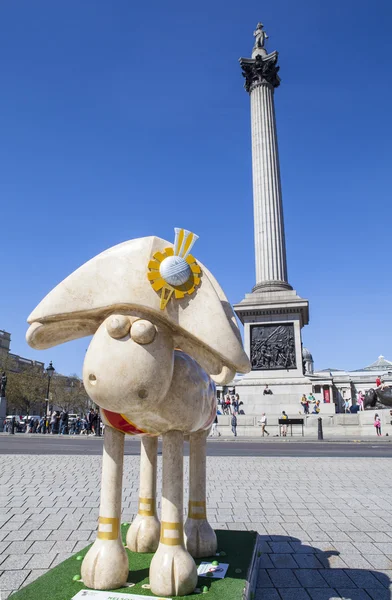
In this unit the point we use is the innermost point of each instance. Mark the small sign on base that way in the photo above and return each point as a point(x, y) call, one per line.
point(208, 569)
point(95, 595)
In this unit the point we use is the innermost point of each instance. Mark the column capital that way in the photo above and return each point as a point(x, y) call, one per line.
point(260, 70)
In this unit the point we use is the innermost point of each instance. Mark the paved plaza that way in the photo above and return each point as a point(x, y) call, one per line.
point(325, 523)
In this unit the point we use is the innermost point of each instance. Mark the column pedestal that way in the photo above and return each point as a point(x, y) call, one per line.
point(272, 338)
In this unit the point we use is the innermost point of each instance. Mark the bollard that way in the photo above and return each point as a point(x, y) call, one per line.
point(320, 429)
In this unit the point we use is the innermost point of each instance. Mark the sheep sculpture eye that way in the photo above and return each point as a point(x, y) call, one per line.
point(118, 326)
point(143, 332)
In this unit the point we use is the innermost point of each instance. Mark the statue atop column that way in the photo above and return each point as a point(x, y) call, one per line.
point(260, 36)
point(262, 67)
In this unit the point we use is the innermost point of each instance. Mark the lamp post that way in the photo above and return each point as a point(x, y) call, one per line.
point(50, 370)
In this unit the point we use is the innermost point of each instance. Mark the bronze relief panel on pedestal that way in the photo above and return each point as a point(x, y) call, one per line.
point(272, 347)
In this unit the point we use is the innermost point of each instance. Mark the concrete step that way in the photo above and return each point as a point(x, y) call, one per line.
point(340, 425)
point(342, 432)
point(363, 418)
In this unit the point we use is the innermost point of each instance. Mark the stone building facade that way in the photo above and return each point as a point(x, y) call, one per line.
point(338, 385)
point(331, 386)
point(14, 362)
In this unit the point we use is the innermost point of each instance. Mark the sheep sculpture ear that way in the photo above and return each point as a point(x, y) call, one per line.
point(158, 279)
point(224, 377)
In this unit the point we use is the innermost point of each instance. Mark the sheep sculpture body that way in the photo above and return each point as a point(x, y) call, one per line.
point(163, 335)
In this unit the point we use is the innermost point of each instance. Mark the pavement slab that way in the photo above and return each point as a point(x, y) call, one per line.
point(325, 524)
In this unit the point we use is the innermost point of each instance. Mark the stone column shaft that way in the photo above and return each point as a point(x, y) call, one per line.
point(261, 79)
point(270, 249)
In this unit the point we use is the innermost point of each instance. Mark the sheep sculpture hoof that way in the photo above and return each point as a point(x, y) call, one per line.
point(200, 538)
point(143, 534)
point(173, 571)
point(105, 566)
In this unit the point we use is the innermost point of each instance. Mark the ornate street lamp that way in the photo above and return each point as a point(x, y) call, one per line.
point(50, 370)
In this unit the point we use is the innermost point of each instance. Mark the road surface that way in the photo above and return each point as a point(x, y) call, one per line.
point(56, 445)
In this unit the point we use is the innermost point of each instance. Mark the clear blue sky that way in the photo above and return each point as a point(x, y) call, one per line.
point(124, 119)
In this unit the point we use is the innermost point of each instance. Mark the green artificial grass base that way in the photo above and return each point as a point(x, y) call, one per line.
point(238, 546)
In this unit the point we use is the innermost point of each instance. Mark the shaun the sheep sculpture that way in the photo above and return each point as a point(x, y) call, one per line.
point(164, 332)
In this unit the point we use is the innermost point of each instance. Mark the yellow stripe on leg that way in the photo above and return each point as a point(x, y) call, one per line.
point(172, 534)
point(197, 509)
point(108, 528)
point(146, 507)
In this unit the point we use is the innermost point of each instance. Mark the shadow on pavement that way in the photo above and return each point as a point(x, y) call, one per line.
point(291, 570)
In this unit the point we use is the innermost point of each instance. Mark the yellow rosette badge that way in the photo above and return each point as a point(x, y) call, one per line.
point(175, 272)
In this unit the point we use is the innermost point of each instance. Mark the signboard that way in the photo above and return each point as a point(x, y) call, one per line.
point(207, 569)
point(95, 595)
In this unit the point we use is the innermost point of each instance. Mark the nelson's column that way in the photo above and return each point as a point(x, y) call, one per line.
point(272, 314)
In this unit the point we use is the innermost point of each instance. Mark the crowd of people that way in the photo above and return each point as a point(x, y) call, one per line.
point(60, 423)
point(307, 401)
point(229, 404)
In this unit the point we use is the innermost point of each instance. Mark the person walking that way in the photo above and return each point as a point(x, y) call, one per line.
point(46, 423)
point(78, 425)
point(215, 427)
point(377, 424)
point(53, 422)
point(40, 428)
point(29, 429)
point(284, 427)
point(234, 425)
point(64, 423)
point(94, 422)
point(90, 419)
point(263, 422)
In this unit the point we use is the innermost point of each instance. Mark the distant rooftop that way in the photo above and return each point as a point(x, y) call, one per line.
point(381, 364)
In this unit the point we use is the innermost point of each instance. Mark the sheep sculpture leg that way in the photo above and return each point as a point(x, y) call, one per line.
point(173, 571)
point(105, 566)
point(143, 534)
point(200, 537)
